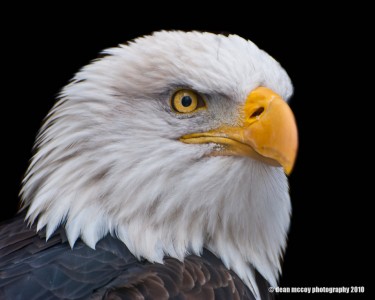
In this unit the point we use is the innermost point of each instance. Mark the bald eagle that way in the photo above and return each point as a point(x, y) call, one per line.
point(159, 173)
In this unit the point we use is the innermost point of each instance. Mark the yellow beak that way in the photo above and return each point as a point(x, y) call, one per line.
point(268, 132)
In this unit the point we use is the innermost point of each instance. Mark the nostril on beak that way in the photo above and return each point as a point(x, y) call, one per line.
point(257, 112)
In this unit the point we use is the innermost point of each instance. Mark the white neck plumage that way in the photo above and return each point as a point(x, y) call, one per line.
point(236, 207)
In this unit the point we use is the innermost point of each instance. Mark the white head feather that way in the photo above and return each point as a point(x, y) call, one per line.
point(108, 157)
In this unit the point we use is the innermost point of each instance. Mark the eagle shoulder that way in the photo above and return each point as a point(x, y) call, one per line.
point(33, 268)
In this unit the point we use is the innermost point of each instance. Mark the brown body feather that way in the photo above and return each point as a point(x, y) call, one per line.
point(31, 268)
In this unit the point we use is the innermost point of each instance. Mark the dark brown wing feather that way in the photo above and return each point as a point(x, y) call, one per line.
point(31, 268)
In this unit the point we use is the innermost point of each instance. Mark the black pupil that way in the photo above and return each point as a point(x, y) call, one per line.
point(186, 101)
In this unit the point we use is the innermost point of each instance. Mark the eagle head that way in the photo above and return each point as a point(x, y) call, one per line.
point(174, 142)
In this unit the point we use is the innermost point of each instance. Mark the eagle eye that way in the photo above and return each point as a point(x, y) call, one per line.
point(187, 101)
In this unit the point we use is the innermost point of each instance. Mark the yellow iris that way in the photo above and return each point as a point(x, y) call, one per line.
point(186, 101)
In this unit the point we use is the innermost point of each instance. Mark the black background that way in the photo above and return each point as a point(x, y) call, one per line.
point(330, 231)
